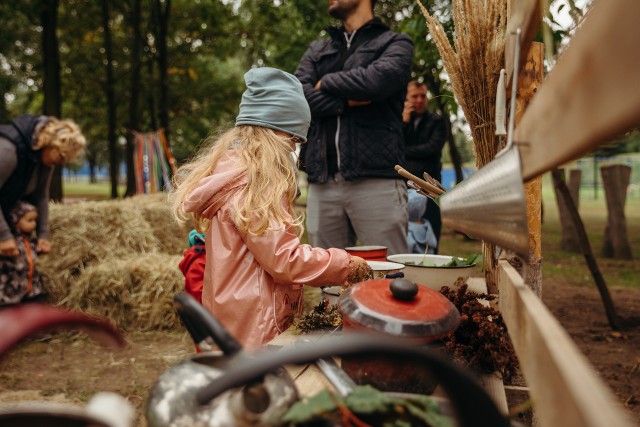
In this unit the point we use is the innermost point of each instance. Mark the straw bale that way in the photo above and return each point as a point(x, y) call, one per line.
point(135, 292)
point(156, 210)
point(86, 233)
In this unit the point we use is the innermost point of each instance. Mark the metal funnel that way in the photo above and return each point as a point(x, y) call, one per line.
point(490, 205)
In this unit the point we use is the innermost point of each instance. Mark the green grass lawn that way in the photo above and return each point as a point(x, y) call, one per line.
point(98, 190)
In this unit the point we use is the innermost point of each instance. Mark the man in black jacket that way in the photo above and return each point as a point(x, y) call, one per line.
point(355, 83)
point(424, 136)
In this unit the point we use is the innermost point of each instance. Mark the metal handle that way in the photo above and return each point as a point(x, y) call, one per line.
point(334, 373)
point(202, 324)
point(501, 105)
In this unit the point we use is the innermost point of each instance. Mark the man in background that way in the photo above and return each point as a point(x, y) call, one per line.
point(424, 136)
point(355, 84)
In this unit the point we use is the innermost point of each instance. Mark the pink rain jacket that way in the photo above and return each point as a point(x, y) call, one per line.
point(253, 284)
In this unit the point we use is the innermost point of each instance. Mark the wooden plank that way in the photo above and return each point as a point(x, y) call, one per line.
point(565, 389)
point(308, 378)
point(590, 96)
point(526, 15)
point(494, 387)
point(311, 381)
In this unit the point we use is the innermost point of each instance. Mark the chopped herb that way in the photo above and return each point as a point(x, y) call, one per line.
point(455, 262)
point(366, 406)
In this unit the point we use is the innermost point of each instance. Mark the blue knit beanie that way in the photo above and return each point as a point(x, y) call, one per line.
point(274, 99)
point(416, 205)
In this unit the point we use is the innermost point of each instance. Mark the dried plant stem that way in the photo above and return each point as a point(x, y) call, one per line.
point(473, 61)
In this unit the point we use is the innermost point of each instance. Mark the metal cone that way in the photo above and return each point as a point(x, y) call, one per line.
point(490, 205)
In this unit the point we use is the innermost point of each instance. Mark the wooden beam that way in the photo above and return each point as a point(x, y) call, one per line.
point(526, 15)
point(565, 389)
point(592, 94)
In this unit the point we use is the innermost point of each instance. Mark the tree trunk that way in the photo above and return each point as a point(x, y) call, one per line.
point(615, 179)
point(51, 64)
point(92, 169)
point(569, 240)
point(151, 101)
point(163, 60)
point(111, 102)
point(614, 320)
point(134, 95)
point(5, 116)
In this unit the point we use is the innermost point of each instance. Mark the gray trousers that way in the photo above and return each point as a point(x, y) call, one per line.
point(368, 211)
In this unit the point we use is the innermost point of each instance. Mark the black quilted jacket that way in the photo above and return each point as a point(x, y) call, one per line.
point(377, 70)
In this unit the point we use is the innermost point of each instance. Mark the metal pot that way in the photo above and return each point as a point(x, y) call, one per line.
point(173, 398)
point(174, 401)
point(403, 310)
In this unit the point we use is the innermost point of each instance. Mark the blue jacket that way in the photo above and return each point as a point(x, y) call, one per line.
point(376, 68)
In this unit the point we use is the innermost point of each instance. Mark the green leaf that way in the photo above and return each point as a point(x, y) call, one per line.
point(428, 410)
point(306, 410)
point(366, 400)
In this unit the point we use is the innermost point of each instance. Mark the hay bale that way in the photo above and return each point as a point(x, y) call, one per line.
point(156, 210)
point(86, 233)
point(135, 292)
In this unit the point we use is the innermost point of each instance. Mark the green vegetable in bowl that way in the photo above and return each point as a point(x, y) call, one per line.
point(455, 262)
point(367, 405)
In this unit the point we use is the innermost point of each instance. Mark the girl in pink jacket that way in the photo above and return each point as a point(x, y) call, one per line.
point(240, 190)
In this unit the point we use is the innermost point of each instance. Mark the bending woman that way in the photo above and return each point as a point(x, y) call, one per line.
point(30, 146)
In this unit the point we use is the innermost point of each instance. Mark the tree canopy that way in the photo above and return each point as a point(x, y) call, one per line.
point(176, 64)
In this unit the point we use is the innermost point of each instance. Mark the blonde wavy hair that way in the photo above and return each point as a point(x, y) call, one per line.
point(64, 135)
point(271, 175)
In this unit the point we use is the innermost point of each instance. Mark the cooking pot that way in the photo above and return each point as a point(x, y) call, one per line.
point(374, 253)
point(403, 310)
point(173, 398)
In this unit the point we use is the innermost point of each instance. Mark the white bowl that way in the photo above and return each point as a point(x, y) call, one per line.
point(382, 268)
point(432, 277)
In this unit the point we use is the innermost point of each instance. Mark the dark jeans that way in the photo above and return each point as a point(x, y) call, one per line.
point(432, 214)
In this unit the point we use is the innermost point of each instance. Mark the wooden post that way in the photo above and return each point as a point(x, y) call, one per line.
point(529, 80)
point(569, 240)
point(615, 180)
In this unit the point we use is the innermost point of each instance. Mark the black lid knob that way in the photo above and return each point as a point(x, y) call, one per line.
point(403, 289)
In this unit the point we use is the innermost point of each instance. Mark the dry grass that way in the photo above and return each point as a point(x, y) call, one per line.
point(473, 64)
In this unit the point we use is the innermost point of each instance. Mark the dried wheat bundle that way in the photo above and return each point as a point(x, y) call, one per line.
point(473, 64)
point(134, 292)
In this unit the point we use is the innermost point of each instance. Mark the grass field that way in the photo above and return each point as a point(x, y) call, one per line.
point(98, 190)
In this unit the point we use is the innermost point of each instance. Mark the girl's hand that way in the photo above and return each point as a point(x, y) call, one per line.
point(9, 248)
point(44, 246)
point(360, 271)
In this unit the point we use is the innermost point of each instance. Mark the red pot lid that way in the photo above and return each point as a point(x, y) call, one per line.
point(400, 308)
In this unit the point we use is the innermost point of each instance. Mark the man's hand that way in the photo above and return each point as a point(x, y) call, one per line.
point(352, 103)
point(318, 84)
point(9, 248)
point(44, 246)
point(406, 112)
